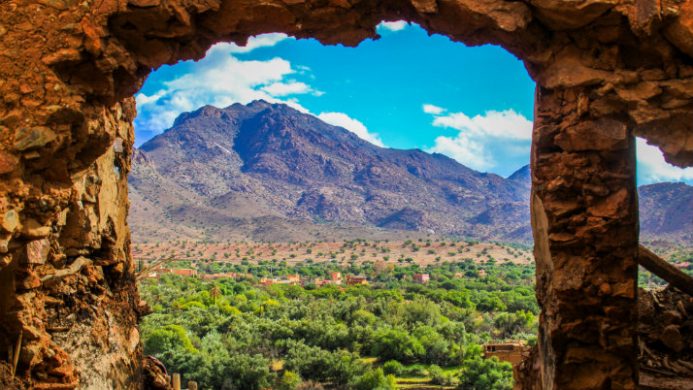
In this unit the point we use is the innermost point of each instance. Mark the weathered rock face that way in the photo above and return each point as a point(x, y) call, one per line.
point(606, 71)
point(584, 216)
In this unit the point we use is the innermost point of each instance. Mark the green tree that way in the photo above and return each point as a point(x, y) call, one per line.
point(374, 380)
point(486, 374)
point(434, 345)
point(393, 367)
point(289, 381)
point(246, 372)
point(396, 344)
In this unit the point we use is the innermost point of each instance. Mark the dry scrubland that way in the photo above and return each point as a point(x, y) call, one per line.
point(422, 251)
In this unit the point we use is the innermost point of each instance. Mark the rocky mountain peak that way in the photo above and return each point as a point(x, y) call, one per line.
point(521, 175)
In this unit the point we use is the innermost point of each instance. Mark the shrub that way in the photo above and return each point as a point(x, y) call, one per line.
point(486, 374)
point(289, 381)
point(393, 367)
point(440, 377)
point(375, 380)
point(415, 371)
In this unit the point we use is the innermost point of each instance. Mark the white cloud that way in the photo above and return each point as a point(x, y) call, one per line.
point(265, 40)
point(221, 79)
point(351, 124)
point(653, 168)
point(496, 124)
point(506, 133)
point(393, 26)
point(143, 99)
point(432, 109)
point(465, 150)
point(289, 88)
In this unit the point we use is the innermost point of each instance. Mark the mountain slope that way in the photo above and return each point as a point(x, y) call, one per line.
point(666, 211)
point(267, 171)
point(241, 164)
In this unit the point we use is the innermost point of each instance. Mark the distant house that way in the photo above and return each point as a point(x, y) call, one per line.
point(267, 281)
point(293, 279)
point(356, 280)
point(184, 272)
point(458, 275)
point(511, 352)
point(482, 273)
point(336, 278)
point(422, 278)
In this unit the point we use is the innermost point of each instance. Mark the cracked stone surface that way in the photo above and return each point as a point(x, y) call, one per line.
point(606, 71)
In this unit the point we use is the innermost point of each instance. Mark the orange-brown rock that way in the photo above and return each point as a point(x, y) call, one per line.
point(607, 70)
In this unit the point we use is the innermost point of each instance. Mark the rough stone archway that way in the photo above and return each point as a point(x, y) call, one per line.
point(606, 70)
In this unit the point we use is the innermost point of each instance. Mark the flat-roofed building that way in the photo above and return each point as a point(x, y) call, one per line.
point(336, 278)
point(511, 352)
point(422, 278)
point(184, 272)
point(352, 280)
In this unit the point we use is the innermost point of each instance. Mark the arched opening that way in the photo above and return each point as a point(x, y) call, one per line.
point(605, 72)
point(309, 212)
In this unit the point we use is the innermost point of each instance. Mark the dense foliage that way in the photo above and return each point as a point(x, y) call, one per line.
point(235, 334)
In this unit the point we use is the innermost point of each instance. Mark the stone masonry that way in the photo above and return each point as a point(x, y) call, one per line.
point(606, 71)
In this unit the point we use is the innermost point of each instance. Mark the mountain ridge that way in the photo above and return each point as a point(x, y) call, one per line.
point(264, 170)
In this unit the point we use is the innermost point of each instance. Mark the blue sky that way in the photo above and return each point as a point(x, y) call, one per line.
point(405, 90)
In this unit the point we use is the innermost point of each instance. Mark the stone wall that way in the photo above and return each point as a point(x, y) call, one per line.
point(585, 218)
point(606, 70)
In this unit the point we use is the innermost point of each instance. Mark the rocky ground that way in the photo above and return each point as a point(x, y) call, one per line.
point(665, 338)
point(665, 332)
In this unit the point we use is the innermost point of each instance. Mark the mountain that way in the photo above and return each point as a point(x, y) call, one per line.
point(263, 170)
point(269, 172)
point(666, 211)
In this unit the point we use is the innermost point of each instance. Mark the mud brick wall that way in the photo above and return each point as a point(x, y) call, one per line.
point(606, 71)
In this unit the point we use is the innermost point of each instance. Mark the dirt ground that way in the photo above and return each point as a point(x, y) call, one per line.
point(421, 251)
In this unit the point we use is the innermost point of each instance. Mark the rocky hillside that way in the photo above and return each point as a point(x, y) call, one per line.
point(267, 171)
point(666, 211)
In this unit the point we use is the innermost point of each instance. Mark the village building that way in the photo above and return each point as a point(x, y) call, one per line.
point(183, 272)
point(422, 278)
point(511, 352)
point(352, 280)
point(336, 278)
point(294, 279)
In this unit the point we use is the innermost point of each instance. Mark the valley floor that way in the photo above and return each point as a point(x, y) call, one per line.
point(398, 330)
point(420, 251)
